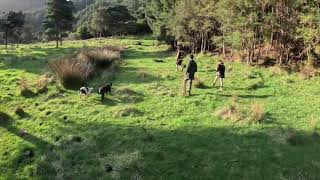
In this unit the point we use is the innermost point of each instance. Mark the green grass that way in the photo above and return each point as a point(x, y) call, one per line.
point(147, 129)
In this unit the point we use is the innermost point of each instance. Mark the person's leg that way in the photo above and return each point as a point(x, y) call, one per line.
point(185, 85)
point(215, 80)
point(190, 86)
point(221, 83)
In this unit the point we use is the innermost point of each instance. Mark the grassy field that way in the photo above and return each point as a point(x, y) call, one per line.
point(148, 130)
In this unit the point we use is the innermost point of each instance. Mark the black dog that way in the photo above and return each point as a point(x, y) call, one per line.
point(105, 89)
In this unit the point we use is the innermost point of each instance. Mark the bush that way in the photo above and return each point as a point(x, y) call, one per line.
point(257, 113)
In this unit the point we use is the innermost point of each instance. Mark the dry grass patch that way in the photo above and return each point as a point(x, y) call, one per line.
point(127, 111)
point(199, 83)
point(257, 113)
point(232, 111)
point(25, 89)
point(307, 72)
point(73, 71)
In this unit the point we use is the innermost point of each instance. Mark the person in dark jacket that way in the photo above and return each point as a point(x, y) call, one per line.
point(179, 59)
point(220, 74)
point(192, 68)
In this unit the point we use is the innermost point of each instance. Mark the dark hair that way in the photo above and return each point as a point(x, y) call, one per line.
point(191, 56)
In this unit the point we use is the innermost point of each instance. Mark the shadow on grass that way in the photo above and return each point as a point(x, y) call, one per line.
point(112, 150)
point(35, 62)
point(244, 96)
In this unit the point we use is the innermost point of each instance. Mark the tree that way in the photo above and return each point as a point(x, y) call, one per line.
point(10, 23)
point(100, 21)
point(59, 19)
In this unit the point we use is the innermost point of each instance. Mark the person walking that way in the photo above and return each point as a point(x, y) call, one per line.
point(179, 59)
point(220, 74)
point(192, 68)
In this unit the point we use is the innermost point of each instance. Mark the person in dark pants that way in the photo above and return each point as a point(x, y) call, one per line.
point(192, 68)
point(220, 74)
point(179, 59)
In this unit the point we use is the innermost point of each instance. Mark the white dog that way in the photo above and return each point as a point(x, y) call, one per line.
point(85, 91)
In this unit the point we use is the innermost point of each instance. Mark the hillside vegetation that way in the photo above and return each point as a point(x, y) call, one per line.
point(264, 125)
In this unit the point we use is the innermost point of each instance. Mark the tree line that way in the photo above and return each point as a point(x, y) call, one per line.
point(251, 29)
point(285, 30)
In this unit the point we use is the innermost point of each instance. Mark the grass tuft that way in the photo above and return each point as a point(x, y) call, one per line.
point(307, 72)
point(199, 83)
point(258, 113)
point(25, 90)
point(127, 111)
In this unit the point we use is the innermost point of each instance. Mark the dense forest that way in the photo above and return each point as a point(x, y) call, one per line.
point(286, 30)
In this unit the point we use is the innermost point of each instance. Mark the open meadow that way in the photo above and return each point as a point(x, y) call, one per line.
point(263, 125)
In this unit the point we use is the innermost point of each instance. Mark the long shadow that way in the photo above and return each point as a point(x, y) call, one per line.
point(112, 150)
point(244, 96)
point(136, 54)
point(35, 61)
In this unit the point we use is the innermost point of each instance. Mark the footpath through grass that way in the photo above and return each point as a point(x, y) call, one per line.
point(148, 130)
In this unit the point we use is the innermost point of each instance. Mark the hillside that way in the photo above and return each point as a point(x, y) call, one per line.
point(148, 130)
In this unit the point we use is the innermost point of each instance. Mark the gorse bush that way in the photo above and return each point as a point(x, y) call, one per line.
point(74, 71)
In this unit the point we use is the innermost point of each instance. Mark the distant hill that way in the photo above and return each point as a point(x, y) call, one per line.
point(21, 5)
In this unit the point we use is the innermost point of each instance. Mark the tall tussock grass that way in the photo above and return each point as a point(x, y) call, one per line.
point(73, 71)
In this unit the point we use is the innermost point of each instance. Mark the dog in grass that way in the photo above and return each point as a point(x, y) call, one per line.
point(85, 91)
point(105, 90)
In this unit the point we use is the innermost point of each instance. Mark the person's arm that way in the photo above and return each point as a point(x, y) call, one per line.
point(188, 67)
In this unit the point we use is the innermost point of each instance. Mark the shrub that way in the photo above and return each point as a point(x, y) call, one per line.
point(25, 90)
point(257, 113)
point(256, 85)
point(4, 119)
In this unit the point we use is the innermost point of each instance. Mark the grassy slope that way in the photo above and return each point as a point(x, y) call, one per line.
point(168, 136)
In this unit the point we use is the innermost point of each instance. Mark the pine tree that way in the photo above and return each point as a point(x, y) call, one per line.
point(10, 23)
point(59, 19)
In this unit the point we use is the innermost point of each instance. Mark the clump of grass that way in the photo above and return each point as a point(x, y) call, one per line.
point(258, 113)
point(142, 73)
point(313, 124)
point(128, 95)
point(307, 72)
point(71, 72)
point(231, 111)
point(4, 118)
point(277, 71)
point(127, 111)
point(20, 112)
point(42, 84)
point(199, 83)
point(256, 85)
point(25, 90)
